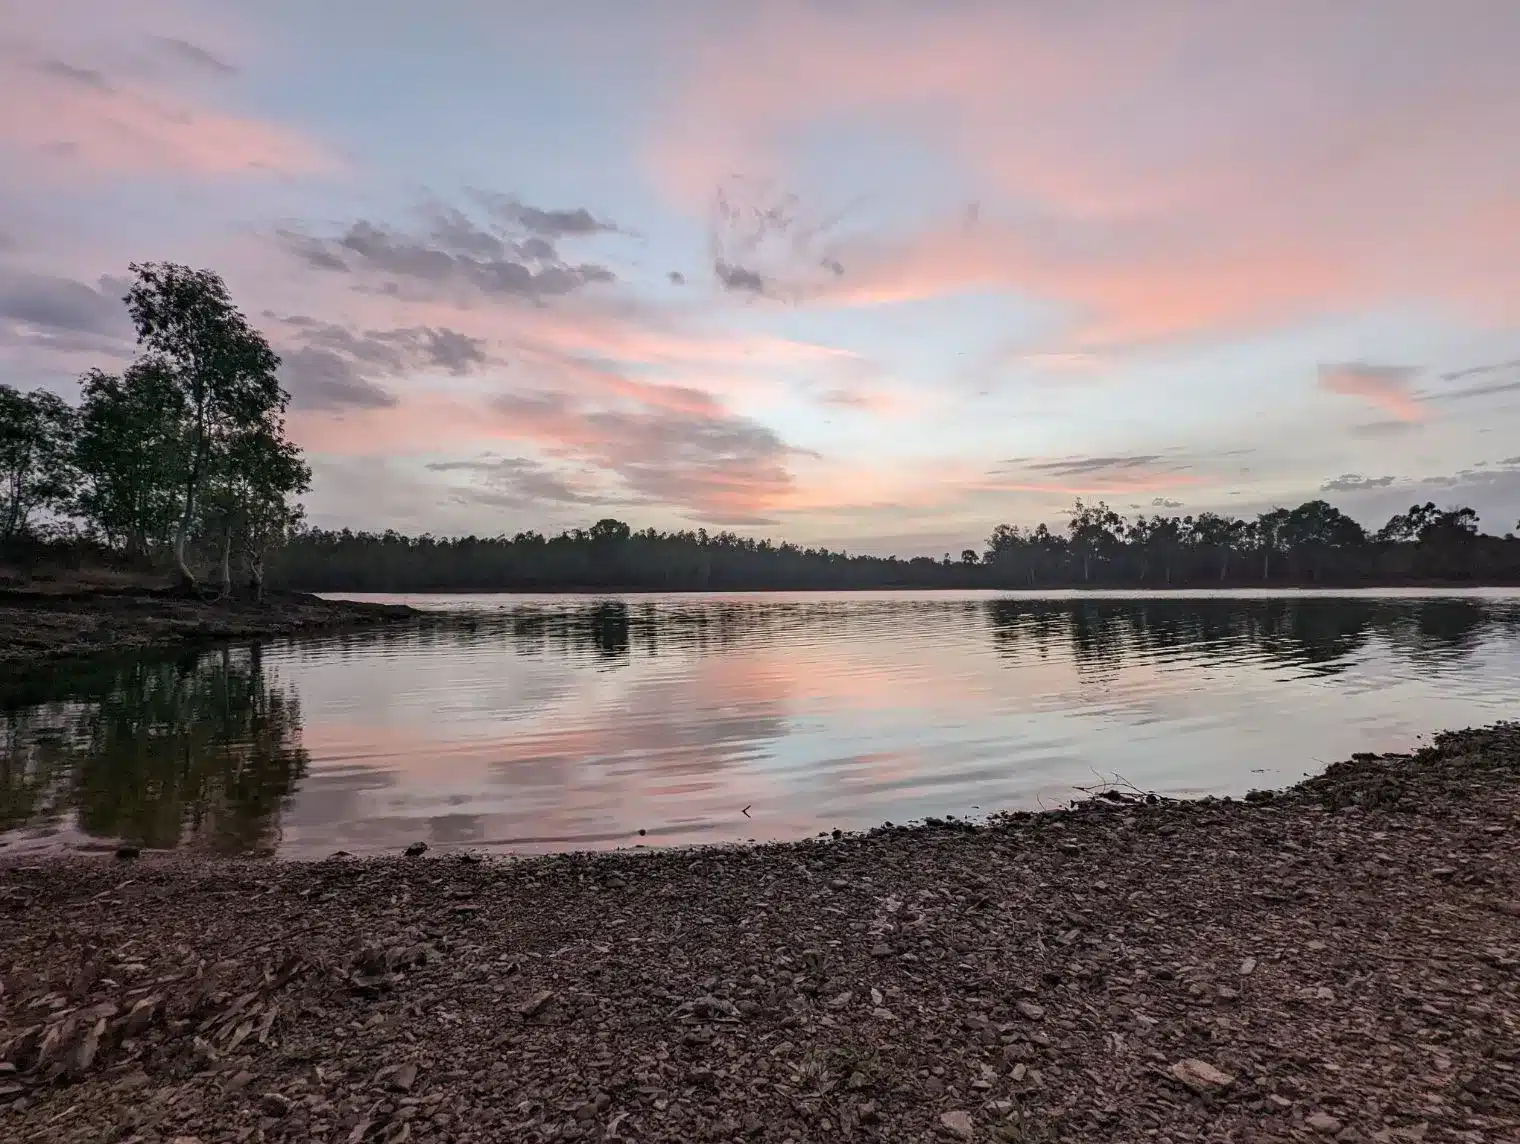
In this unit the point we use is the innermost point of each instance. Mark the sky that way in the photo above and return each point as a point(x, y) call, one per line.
point(873, 275)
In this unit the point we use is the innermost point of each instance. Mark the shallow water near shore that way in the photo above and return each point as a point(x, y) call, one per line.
point(543, 723)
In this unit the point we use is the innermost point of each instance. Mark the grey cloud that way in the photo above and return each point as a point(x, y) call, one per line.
point(515, 482)
point(194, 54)
point(85, 77)
point(68, 313)
point(1479, 370)
point(574, 222)
point(558, 224)
point(454, 250)
point(1374, 430)
point(1495, 370)
point(738, 278)
point(319, 379)
point(1162, 502)
point(676, 278)
point(314, 252)
point(723, 467)
point(334, 367)
point(1086, 466)
point(1354, 482)
point(395, 351)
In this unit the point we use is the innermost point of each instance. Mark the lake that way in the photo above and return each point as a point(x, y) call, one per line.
point(542, 723)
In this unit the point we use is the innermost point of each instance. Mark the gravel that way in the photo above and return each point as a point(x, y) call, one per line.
point(1336, 962)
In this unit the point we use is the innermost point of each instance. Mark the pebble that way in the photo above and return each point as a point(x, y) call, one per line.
point(404, 1077)
point(1248, 967)
point(1030, 1010)
point(1323, 1123)
point(1200, 1076)
point(274, 1104)
point(958, 1124)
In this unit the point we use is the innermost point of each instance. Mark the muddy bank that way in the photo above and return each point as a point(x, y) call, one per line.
point(1337, 962)
point(39, 626)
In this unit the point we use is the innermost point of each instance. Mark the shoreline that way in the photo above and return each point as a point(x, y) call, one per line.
point(1337, 960)
point(40, 629)
point(1135, 590)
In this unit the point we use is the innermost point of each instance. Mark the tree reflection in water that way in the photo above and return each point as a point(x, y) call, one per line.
point(198, 751)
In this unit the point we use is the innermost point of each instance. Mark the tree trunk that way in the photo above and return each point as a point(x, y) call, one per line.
point(1224, 566)
point(1266, 564)
point(256, 576)
point(1085, 567)
point(227, 563)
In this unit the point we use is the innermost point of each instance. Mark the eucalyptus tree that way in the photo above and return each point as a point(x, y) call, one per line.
point(223, 368)
point(37, 432)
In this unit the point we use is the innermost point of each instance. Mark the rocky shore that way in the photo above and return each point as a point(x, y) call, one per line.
point(43, 626)
point(1340, 961)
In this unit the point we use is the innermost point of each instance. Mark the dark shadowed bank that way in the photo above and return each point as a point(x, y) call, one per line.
point(41, 624)
point(1334, 962)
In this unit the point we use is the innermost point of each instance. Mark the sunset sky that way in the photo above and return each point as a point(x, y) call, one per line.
point(876, 275)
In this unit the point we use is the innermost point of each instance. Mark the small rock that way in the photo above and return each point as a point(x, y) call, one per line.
point(1324, 993)
point(1227, 994)
point(958, 1124)
point(1323, 1123)
point(1017, 1075)
point(241, 1081)
point(1443, 872)
point(1248, 967)
point(1316, 947)
point(127, 851)
point(858, 1081)
point(1030, 1010)
point(404, 1077)
point(882, 1014)
point(881, 950)
point(273, 1104)
point(533, 1005)
point(416, 849)
point(1200, 1076)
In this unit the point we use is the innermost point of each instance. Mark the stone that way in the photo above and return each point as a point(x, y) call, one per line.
point(125, 852)
point(958, 1124)
point(1323, 1123)
point(1200, 1076)
point(416, 849)
point(1030, 1010)
point(274, 1104)
point(1248, 967)
point(404, 1077)
point(535, 1004)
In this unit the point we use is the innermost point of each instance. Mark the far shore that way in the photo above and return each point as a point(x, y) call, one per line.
point(1127, 589)
point(1336, 961)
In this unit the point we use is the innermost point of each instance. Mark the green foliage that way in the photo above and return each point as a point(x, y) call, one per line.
point(233, 405)
point(131, 455)
point(37, 432)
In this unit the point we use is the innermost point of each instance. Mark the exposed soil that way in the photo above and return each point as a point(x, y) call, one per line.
point(41, 624)
point(1337, 962)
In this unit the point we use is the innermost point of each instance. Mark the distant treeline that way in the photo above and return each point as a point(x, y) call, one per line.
point(1312, 544)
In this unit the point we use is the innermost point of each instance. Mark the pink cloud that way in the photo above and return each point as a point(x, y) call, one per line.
point(65, 117)
point(1384, 387)
point(1158, 174)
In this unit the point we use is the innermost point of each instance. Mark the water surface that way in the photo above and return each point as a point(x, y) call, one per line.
point(538, 723)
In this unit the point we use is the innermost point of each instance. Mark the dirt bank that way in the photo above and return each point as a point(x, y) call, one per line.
point(1339, 962)
point(40, 626)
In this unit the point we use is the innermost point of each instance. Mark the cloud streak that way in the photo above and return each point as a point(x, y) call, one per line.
point(1385, 387)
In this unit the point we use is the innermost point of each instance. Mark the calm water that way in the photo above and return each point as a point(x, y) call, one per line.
point(554, 722)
